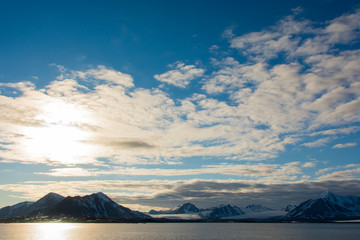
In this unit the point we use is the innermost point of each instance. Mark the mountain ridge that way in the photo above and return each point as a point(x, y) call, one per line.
point(324, 207)
point(96, 205)
point(327, 206)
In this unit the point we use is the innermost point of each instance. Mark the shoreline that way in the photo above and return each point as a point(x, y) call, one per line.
point(162, 220)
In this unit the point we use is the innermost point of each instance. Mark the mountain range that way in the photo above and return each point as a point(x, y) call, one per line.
point(186, 208)
point(325, 207)
point(96, 205)
point(214, 213)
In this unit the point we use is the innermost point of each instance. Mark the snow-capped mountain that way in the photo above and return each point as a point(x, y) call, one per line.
point(289, 208)
point(327, 206)
point(96, 205)
point(224, 212)
point(186, 208)
point(25, 209)
point(220, 212)
point(256, 208)
point(44, 204)
point(15, 211)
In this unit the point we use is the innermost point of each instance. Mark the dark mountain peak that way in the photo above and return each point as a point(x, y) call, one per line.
point(224, 211)
point(102, 196)
point(289, 208)
point(257, 208)
point(42, 206)
point(17, 210)
point(154, 212)
point(96, 205)
point(52, 196)
point(327, 206)
point(188, 204)
point(49, 199)
point(186, 208)
point(328, 195)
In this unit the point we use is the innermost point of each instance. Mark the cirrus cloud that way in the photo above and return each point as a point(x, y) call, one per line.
point(249, 111)
point(181, 75)
point(344, 145)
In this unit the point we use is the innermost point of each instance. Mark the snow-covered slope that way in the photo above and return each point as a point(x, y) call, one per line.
point(96, 205)
point(190, 211)
point(327, 206)
point(186, 208)
point(44, 204)
point(225, 212)
point(289, 208)
point(15, 211)
point(255, 208)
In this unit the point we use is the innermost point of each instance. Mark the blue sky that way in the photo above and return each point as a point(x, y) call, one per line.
point(158, 103)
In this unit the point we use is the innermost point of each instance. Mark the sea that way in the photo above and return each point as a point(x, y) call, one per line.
point(183, 231)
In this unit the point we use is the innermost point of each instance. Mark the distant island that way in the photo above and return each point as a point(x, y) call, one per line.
point(98, 207)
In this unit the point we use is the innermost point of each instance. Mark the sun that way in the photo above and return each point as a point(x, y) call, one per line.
point(61, 138)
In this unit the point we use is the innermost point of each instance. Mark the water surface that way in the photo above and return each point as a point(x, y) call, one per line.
point(185, 231)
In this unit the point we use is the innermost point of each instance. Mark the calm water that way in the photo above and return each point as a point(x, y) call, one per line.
point(170, 231)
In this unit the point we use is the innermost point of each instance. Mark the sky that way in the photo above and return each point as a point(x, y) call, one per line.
point(158, 103)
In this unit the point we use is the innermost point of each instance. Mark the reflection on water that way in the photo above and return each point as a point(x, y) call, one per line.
point(185, 231)
point(54, 231)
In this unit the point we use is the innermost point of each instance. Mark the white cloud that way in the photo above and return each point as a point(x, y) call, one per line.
point(344, 145)
point(293, 97)
point(107, 74)
point(268, 106)
point(228, 33)
point(309, 165)
point(270, 171)
point(318, 143)
point(346, 130)
point(69, 172)
point(345, 174)
point(214, 48)
point(288, 37)
point(181, 75)
point(269, 43)
point(344, 28)
point(234, 76)
point(297, 10)
point(324, 170)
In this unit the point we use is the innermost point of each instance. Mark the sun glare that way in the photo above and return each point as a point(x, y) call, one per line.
point(61, 139)
point(59, 112)
point(54, 230)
